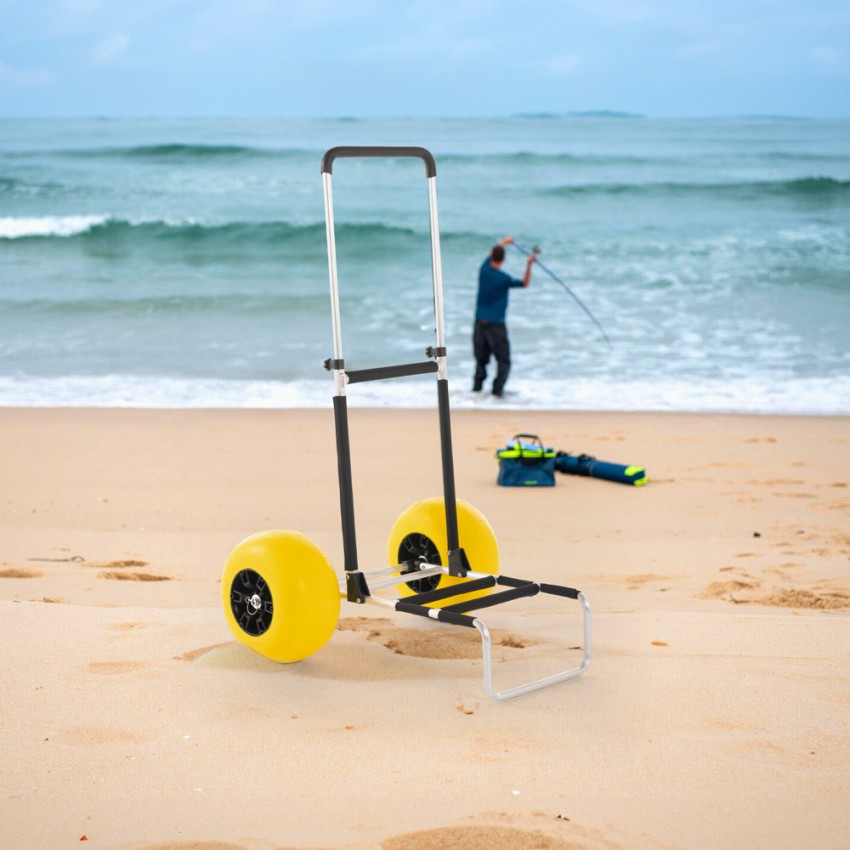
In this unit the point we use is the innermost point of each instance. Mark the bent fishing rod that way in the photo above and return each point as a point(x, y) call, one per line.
point(536, 251)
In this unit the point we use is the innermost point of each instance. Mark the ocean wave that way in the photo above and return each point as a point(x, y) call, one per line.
point(795, 156)
point(31, 188)
point(104, 229)
point(169, 152)
point(131, 306)
point(188, 152)
point(814, 187)
point(802, 396)
point(526, 157)
point(41, 227)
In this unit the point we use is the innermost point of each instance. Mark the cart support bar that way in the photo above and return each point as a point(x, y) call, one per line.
point(441, 593)
point(382, 152)
point(529, 589)
point(435, 614)
point(379, 373)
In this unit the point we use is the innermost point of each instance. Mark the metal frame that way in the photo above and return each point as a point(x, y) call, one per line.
point(357, 586)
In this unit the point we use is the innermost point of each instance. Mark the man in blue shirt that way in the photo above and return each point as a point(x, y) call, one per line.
point(490, 336)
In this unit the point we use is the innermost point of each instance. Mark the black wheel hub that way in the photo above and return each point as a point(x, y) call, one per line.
point(420, 548)
point(251, 602)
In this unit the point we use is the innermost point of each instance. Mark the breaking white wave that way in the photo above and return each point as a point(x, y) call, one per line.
point(796, 396)
point(50, 225)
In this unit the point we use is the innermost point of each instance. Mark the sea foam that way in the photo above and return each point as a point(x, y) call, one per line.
point(51, 225)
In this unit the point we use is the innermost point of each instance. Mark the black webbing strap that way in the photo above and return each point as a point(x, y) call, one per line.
point(444, 616)
point(453, 590)
point(527, 589)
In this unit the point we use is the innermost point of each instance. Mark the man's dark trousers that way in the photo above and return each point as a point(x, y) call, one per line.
point(491, 338)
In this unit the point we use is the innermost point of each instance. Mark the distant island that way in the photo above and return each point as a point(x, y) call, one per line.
point(588, 113)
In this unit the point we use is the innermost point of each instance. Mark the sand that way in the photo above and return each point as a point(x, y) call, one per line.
point(715, 713)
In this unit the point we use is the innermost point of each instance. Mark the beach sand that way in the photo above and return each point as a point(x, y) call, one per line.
point(715, 712)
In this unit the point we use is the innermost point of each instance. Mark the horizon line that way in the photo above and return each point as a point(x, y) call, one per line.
point(540, 115)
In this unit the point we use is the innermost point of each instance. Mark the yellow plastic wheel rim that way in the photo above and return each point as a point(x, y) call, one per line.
point(280, 595)
point(427, 519)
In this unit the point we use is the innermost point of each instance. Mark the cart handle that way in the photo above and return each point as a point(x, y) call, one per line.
point(371, 151)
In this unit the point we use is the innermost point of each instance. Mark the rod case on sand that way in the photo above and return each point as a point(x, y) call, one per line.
point(587, 465)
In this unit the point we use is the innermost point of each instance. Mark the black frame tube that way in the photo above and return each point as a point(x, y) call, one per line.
point(449, 494)
point(346, 490)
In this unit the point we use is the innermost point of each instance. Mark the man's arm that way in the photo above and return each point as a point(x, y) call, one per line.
point(531, 261)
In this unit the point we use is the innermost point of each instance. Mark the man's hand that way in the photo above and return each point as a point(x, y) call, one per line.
point(508, 240)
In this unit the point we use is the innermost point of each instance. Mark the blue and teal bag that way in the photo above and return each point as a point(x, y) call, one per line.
point(526, 464)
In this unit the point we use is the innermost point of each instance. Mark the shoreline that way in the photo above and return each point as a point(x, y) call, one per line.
point(494, 408)
point(713, 712)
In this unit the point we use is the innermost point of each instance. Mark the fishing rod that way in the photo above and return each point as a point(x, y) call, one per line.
point(536, 251)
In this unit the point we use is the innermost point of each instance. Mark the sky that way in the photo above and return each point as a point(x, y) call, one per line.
point(471, 58)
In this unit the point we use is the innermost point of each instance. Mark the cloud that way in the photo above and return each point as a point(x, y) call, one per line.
point(110, 48)
point(218, 22)
point(829, 59)
point(24, 76)
point(81, 7)
point(621, 11)
point(430, 41)
point(563, 63)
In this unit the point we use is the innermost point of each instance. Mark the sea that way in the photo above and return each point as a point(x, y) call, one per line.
point(183, 263)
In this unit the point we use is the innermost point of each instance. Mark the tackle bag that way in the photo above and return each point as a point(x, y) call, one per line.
point(587, 465)
point(526, 464)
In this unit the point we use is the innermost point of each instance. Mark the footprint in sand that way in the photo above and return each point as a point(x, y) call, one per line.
point(201, 845)
point(752, 593)
point(97, 736)
point(797, 598)
point(444, 644)
point(112, 667)
point(116, 575)
point(478, 837)
point(119, 564)
point(195, 654)
point(19, 572)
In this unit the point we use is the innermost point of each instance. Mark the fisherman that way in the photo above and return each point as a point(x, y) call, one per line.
point(490, 336)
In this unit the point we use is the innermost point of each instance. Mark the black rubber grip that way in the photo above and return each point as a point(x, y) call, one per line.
point(380, 373)
point(444, 616)
point(410, 608)
point(452, 590)
point(457, 619)
point(529, 589)
point(557, 590)
point(370, 151)
point(513, 582)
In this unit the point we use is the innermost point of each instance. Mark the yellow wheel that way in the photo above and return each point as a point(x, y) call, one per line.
point(420, 532)
point(280, 595)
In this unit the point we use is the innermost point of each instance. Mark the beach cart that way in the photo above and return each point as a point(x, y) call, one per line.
point(280, 594)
